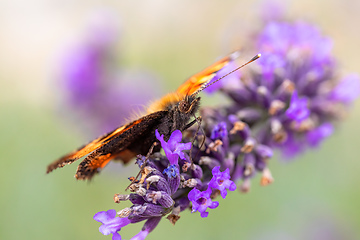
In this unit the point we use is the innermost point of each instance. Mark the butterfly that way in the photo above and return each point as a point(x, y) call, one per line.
point(171, 112)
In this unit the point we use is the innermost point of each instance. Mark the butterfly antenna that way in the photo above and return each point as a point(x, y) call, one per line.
point(250, 61)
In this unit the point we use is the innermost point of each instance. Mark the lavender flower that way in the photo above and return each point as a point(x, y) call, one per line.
point(173, 148)
point(166, 187)
point(111, 223)
point(153, 194)
point(201, 201)
point(288, 102)
point(221, 181)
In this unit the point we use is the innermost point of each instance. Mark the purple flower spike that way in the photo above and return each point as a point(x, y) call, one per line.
point(111, 223)
point(297, 110)
point(221, 181)
point(173, 148)
point(201, 201)
point(289, 101)
point(316, 136)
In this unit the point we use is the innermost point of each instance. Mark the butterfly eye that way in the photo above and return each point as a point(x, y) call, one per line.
point(184, 106)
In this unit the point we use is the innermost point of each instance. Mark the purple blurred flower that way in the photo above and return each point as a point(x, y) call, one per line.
point(83, 71)
point(201, 201)
point(96, 89)
point(221, 181)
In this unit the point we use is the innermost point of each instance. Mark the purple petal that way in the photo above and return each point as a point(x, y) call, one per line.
point(298, 110)
point(105, 216)
point(221, 181)
point(232, 186)
point(223, 194)
point(116, 236)
point(214, 204)
point(148, 227)
point(347, 90)
point(175, 138)
point(173, 148)
point(317, 135)
point(140, 236)
point(111, 223)
point(204, 214)
point(201, 201)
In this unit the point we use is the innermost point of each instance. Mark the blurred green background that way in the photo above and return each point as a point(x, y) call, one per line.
point(314, 197)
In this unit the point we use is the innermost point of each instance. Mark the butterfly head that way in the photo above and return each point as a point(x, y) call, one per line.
point(189, 104)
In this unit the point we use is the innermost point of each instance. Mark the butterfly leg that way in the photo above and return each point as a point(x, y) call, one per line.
point(143, 165)
point(198, 120)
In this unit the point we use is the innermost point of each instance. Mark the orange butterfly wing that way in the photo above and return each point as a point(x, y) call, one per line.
point(199, 80)
point(84, 150)
point(107, 147)
point(192, 84)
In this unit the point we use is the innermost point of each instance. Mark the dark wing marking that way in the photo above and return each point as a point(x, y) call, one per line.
point(135, 139)
point(84, 150)
point(109, 146)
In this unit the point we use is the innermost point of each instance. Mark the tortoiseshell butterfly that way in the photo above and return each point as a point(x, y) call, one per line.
point(171, 112)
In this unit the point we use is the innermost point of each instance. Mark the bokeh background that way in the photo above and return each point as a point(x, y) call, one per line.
point(316, 196)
